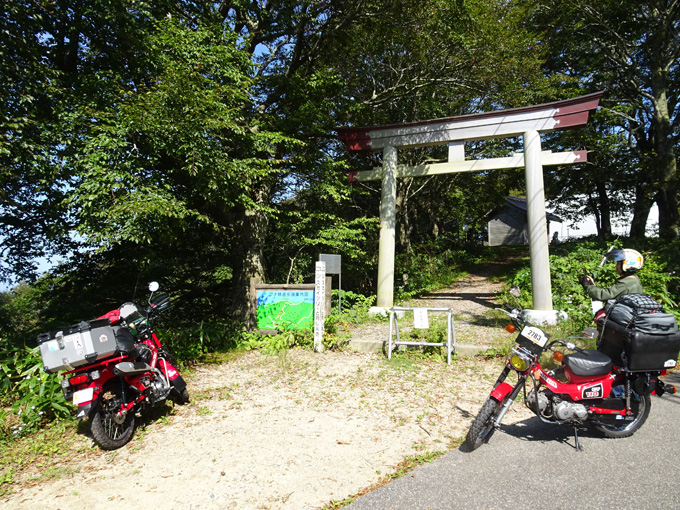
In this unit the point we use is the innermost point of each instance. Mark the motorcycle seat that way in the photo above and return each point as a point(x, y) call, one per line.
point(588, 363)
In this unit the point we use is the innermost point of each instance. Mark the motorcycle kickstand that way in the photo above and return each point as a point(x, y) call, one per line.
point(577, 443)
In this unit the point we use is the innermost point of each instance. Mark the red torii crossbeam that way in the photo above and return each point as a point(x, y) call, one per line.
point(528, 122)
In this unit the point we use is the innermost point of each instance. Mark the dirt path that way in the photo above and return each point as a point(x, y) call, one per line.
point(472, 299)
point(296, 430)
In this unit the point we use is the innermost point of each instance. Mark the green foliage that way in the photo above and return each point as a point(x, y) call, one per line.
point(184, 125)
point(626, 49)
point(32, 396)
point(273, 344)
point(354, 309)
point(19, 315)
point(567, 264)
point(189, 342)
point(433, 266)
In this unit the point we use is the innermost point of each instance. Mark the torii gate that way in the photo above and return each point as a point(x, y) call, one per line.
point(527, 122)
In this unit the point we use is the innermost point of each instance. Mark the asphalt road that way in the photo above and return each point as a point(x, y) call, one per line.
point(534, 465)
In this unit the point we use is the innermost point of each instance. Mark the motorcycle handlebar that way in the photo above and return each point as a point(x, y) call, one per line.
point(569, 345)
point(513, 313)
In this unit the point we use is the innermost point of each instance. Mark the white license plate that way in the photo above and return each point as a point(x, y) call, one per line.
point(535, 335)
point(83, 396)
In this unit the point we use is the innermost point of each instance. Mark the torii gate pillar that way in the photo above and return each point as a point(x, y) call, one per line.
point(527, 122)
point(388, 222)
point(536, 221)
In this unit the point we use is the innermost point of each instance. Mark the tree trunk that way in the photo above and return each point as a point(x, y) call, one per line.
point(667, 200)
point(604, 225)
point(249, 261)
point(667, 195)
point(641, 207)
point(403, 220)
point(663, 137)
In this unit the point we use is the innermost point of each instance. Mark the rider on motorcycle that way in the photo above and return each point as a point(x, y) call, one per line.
point(628, 262)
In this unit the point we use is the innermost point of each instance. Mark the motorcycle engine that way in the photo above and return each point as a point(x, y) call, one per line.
point(543, 402)
point(568, 411)
point(159, 389)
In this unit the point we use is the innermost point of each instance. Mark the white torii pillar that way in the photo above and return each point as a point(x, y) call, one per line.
point(527, 122)
point(388, 223)
point(536, 222)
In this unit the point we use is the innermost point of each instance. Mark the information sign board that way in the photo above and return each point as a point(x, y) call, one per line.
point(285, 309)
point(333, 262)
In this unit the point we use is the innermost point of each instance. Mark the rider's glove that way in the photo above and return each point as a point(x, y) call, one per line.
point(586, 281)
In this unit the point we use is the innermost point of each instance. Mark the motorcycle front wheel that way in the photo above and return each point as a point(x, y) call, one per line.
point(482, 427)
point(109, 430)
point(641, 410)
point(180, 397)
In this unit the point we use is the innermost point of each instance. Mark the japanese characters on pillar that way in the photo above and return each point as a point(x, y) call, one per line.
point(319, 305)
point(334, 266)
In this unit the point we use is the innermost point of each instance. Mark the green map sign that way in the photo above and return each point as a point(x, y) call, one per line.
point(285, 309)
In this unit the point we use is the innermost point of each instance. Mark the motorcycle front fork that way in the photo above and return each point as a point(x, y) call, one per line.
point(505, 405)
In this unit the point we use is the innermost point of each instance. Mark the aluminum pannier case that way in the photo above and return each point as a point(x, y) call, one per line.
point(83, 344)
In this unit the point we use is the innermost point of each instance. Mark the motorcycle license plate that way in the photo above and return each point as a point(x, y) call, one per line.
point(83, 396)
point(535, 335)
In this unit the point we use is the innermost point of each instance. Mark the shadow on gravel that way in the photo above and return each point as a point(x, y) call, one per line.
point(483, 299)
point(142, 420)
point(464, 412)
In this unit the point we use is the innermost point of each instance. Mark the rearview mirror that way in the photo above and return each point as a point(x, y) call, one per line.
point(590, 332)
point(515, 292)
point(161, 301)
point(154, 286)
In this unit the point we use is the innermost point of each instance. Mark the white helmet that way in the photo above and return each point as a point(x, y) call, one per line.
point(632, 259)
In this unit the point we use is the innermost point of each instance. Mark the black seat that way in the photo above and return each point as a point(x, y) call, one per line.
point(589, 362)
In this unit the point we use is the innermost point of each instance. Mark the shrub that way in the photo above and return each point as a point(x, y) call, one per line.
point(567, 264)
point(433, 267)
point(188, 342)
point(30, 396)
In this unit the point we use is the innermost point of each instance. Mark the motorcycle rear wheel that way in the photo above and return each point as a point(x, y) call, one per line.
point(110, 431)
point(482, 427)
point(643, 407)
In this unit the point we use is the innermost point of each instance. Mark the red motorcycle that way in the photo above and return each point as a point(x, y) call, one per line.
point(116, 366)
point(586, 388)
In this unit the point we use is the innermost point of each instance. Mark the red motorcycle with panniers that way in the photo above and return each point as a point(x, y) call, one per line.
point(115, 366)
point(608, 388)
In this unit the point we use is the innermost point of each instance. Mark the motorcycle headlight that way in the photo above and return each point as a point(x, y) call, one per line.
point(518, 363)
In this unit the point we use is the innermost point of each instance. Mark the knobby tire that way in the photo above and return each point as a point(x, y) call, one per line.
point(482, 427)
point(106, 431)
point(180, 397)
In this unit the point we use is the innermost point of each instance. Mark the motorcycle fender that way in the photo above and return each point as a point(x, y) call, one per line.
point(84, 410)
point(170, 371)
point(501, 391)
point(179, 383)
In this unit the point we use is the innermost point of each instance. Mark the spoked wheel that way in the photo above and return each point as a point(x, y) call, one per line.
point(109, 429)
point(641, 410)
point(482, 428)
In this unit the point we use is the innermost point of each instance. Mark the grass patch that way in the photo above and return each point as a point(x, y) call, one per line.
point(51, 453)
point(218, 358)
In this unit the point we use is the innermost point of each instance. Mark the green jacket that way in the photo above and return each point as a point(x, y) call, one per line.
point(625, 285)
